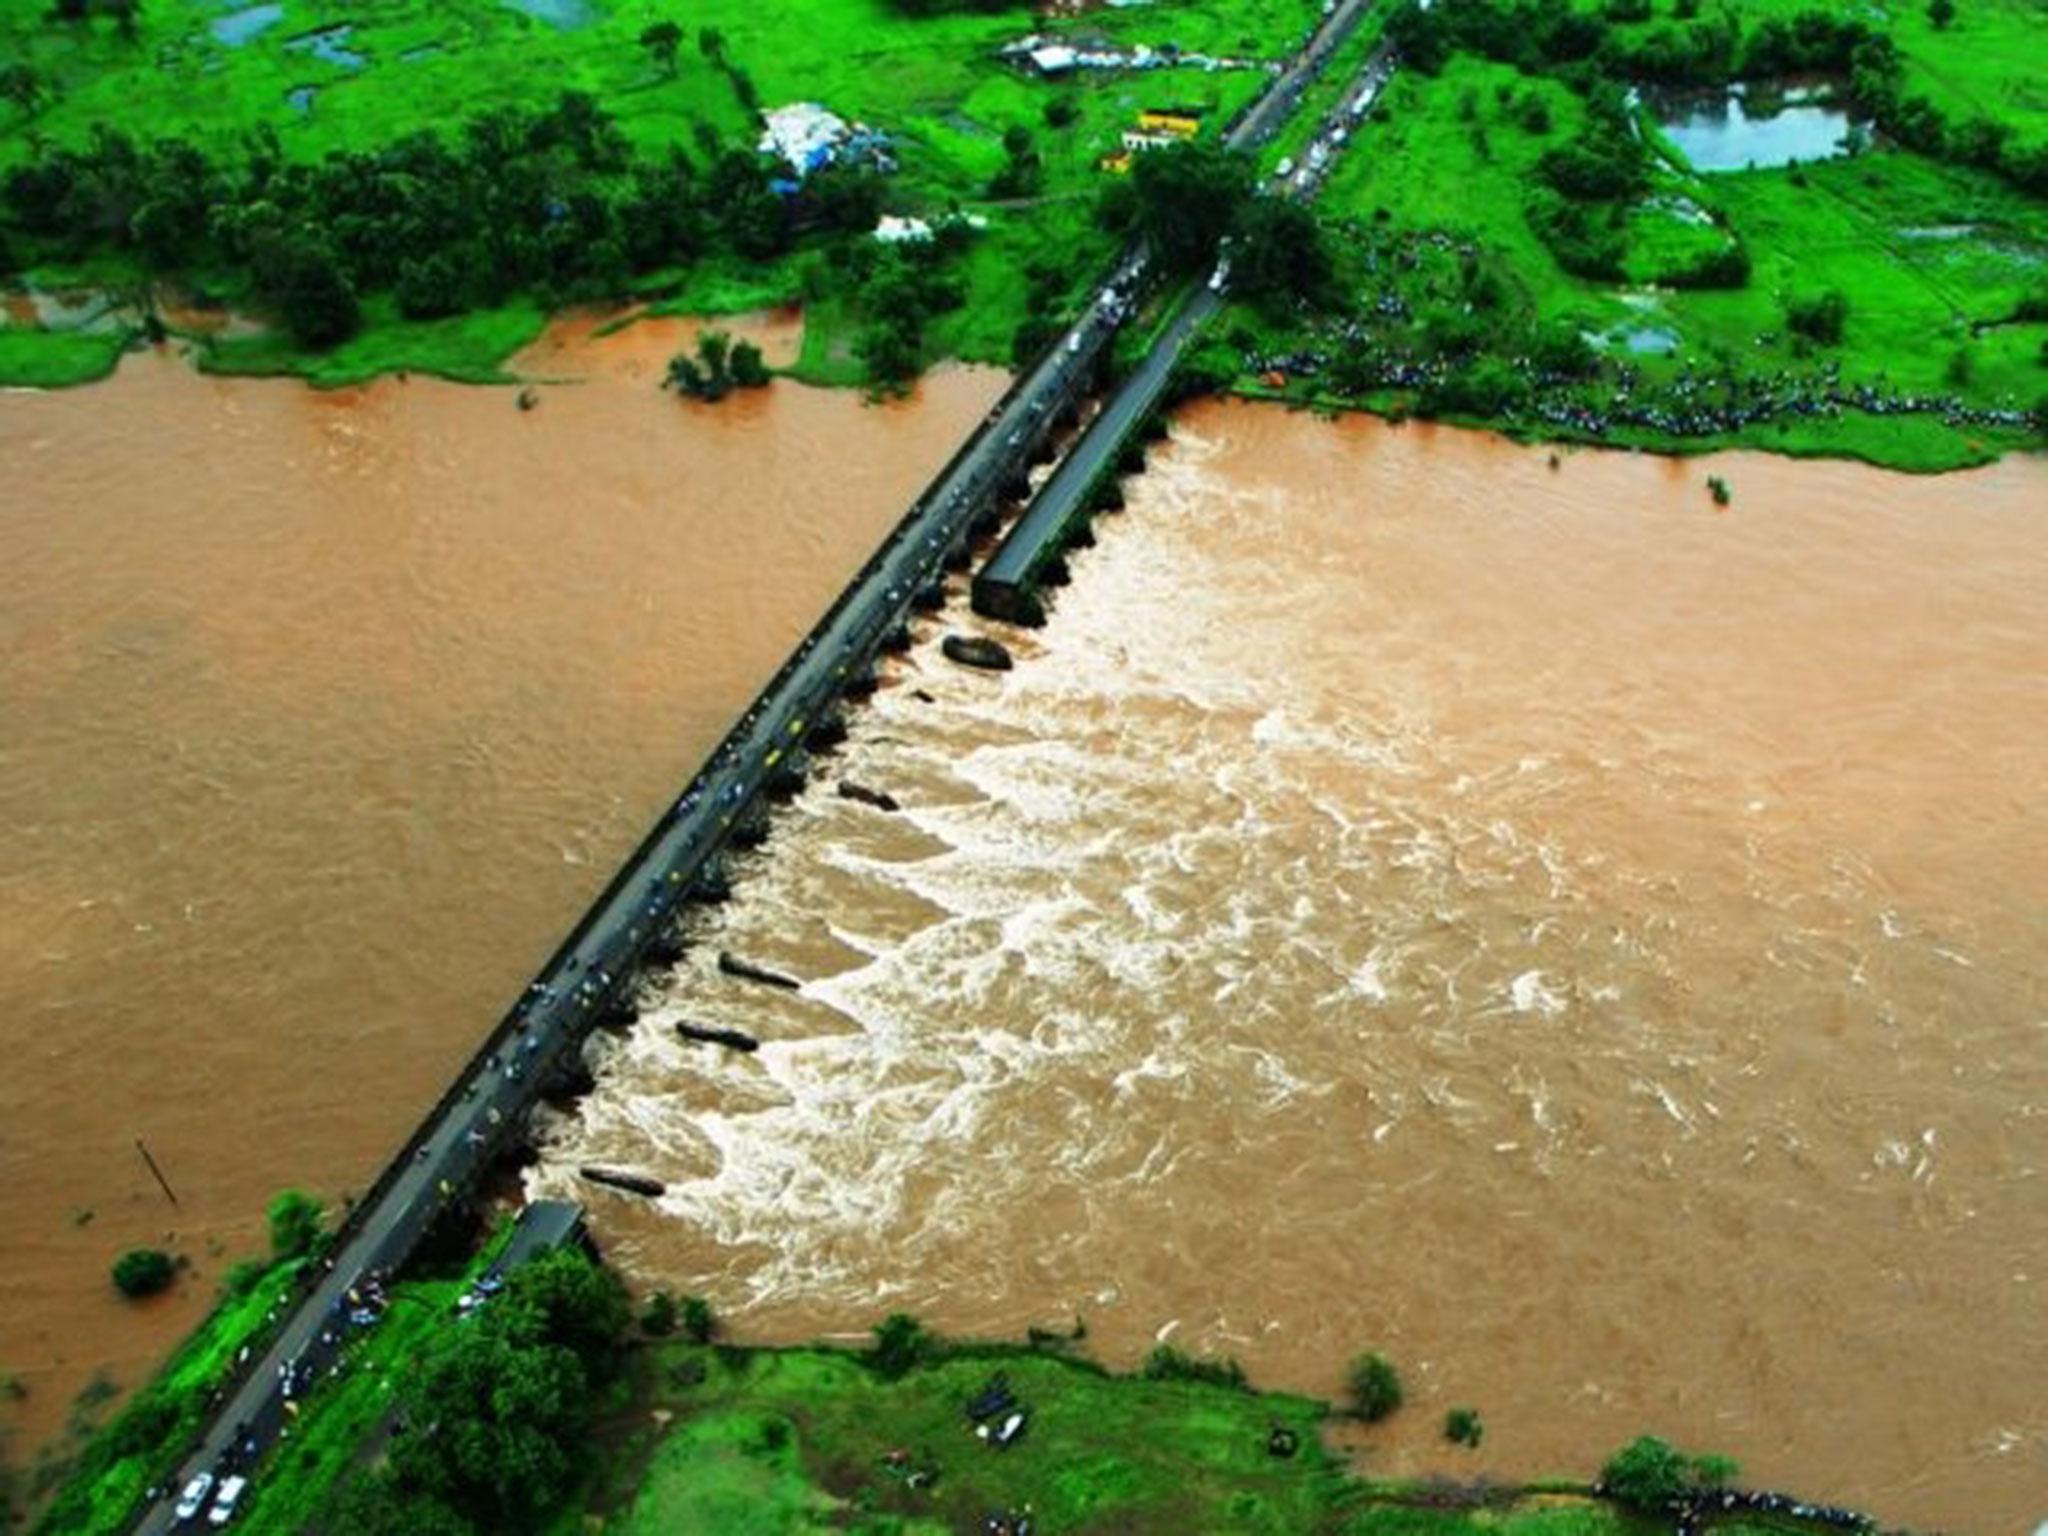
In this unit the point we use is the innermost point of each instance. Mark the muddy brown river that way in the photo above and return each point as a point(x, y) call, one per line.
point(1589, 945)
point(321, 718)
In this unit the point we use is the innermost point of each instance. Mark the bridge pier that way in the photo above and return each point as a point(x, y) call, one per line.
point(713, 883)
point(750, 830)
point(787, 778)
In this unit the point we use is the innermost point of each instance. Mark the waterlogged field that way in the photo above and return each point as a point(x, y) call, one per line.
point(360, 73)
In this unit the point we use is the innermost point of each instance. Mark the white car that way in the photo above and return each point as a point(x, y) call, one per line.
point(1285, 168)
point(193, 1499)
point(224, 1504)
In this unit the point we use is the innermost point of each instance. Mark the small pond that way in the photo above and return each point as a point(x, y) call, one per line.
point(564, 14)
point(330, 44)
point(238, 27)
point(1719, 134)
point(300, 97)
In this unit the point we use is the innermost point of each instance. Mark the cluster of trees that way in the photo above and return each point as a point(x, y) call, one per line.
point(1692, 51)
point(1651, 1475)
point(124, 13)
point(1188, 199)
point(493, 1410)
point(898, 290)
point(720, 366)
point(552, 202)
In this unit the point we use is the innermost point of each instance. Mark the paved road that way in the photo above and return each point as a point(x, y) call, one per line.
point(487, 1102)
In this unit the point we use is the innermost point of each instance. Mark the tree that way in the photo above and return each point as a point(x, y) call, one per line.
point(143, 1272)
point(300, 274)
point(699, 1322)
point(659, 1319)
point(21, 85)
point(295, 1229)
point(711, 43)
point(1651, 1474)
point(1821, 318)
point(1375, 1387)
point(1279, 251)
point(1185, 199)
point(1941, 13)
point(1463, 1427)
point(661, 40)
point(1062, 112)
point(1022, 171)
point(749, 368)
point(900, 1344)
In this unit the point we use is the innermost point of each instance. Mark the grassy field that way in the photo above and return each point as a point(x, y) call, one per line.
point(1933, 259)
point(753, 1442)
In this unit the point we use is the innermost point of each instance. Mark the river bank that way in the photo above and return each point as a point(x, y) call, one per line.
point(302, 677)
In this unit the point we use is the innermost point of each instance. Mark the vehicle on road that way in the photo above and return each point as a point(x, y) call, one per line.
point(1285, 168)
point(193, 1499)
point(224, 1504)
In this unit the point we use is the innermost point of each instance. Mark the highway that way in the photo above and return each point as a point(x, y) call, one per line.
point(485, 1107)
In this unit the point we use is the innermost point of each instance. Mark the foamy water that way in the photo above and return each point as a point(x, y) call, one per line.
point(1585, 944)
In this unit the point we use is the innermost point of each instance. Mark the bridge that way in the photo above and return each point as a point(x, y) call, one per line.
point(483, 1112)
point(1008, 586)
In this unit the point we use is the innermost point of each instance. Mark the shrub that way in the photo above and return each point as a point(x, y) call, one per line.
point(660, 1317)
point(900, 1344)
point(295, 1229)
point(699, 1322)
point(1819, 319)
point(143, 1272)
point(1462, 1427)
point(1375, 1387)
point(243, 1276)
point(1169, 1364)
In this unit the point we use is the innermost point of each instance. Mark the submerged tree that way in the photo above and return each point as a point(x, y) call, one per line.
point(143, 1272)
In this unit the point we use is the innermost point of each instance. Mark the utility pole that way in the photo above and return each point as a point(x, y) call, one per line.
point(169, 1193)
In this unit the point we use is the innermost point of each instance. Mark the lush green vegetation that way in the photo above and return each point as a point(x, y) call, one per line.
point(103, 1470)
point(745, 1441)
point(1514, 241)
point(429, 185)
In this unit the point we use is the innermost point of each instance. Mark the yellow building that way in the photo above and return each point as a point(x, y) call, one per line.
point(1177, 125)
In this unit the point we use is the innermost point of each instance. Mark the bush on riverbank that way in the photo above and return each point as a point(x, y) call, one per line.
point(1651, 1475)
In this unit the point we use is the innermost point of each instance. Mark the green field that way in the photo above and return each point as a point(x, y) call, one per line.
point(1435, 250)
point(753, 1442)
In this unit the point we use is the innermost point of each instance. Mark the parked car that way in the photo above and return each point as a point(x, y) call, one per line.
point(224, 1502)
point(193, 1499)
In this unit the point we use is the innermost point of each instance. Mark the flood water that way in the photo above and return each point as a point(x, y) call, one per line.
point(325, 715)
point(1589, 945)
